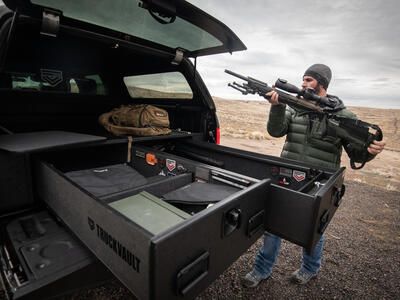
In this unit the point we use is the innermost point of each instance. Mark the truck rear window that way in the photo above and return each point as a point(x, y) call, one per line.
point(127, 16)
point(169, 85)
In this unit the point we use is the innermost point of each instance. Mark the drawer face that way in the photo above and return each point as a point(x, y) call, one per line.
point(154, 263)
point(122, 246)
point(189, 258)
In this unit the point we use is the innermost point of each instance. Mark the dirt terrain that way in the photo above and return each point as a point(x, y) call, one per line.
point(362, 252)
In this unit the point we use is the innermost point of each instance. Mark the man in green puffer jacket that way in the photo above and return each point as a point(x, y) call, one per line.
point(307, 141)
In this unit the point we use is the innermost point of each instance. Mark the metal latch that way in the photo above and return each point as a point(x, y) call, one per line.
point(50, 23)
point(231, 221)
point(178, 57)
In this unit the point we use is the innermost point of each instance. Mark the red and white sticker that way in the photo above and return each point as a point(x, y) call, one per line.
point(298, 175)
point(170, 164)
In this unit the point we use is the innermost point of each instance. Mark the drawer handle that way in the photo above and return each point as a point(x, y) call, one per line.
point(192, 274)
point(255, 223)
point(323, 222)
point(338, 194)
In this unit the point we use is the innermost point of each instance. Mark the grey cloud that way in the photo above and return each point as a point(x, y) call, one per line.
point(381, 80)
point(358, 39)
point(345, 80)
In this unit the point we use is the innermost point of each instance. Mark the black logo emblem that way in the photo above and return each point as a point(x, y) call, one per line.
point(52, 77)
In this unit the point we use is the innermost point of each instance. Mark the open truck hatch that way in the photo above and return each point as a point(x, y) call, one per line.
point(163, 25)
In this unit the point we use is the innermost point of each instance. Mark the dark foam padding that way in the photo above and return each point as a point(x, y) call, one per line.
point(107, 180)
point(200, 193)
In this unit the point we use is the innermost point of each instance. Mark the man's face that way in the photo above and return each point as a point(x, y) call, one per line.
point(311, 83)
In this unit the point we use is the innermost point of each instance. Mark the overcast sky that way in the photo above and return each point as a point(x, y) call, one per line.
point(358, 39)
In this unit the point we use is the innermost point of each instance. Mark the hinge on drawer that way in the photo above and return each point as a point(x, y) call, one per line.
point(50, 23)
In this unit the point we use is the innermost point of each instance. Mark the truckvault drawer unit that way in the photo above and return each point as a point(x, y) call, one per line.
point(196, 239)
point(189, 252)
point(165, 214)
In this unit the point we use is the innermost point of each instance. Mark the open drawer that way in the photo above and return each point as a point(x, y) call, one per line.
point(302, 199)
point(146, 233)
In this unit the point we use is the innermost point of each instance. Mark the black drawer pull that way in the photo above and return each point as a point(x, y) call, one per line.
point(192, 274)
point(255, 223)
point(323, 222)
point(338, 194)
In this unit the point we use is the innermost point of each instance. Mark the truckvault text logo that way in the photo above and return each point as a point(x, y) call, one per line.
point(119, 249)
point(91, 224)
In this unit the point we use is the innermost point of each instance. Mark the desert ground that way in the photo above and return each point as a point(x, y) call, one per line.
point(362, 248)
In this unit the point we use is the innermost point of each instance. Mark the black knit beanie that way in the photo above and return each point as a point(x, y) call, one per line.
point(321, 73)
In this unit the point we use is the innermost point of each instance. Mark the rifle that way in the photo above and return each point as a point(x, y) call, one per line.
point(355, 133)
point(310, 102)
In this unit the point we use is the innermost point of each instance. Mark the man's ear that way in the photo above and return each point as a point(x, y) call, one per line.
point(321, 91)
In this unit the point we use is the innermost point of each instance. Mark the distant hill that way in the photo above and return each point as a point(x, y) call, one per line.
point(136, 92)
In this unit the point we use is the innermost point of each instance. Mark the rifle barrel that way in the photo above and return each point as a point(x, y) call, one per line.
point(236, 74)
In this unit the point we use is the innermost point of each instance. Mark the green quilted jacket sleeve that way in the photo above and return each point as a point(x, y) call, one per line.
point(278, 120)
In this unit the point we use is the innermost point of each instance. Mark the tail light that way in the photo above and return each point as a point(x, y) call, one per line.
point(218, 136)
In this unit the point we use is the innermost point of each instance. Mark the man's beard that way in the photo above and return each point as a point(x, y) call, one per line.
point(316, 91)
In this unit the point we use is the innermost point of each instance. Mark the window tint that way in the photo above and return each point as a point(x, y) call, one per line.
point(170, 85)
point(128, 17)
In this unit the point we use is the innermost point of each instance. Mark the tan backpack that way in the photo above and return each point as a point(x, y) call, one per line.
point(138, 120)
